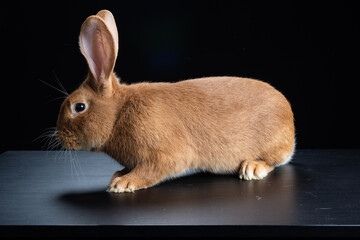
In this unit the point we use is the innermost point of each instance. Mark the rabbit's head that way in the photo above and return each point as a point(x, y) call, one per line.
point(87, 115)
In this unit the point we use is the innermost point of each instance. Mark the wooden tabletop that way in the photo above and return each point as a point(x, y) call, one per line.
point(63, 194)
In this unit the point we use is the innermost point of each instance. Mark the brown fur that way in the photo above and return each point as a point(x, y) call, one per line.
point(159, 130)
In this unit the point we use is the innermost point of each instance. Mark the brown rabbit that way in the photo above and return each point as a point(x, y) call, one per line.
point(161, 130)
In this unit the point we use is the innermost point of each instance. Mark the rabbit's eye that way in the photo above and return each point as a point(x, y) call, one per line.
point(79, 107)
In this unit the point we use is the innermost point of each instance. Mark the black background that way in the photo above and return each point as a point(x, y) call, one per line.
point(308, 51)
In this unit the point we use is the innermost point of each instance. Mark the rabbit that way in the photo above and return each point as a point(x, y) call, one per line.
point(157, 131)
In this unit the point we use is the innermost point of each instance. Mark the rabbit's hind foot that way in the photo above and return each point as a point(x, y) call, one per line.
point(254, 169)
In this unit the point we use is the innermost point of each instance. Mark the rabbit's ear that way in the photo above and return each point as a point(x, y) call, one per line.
point(110, 22)
point(97, 44)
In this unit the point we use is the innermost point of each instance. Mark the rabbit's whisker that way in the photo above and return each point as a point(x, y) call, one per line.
point(54, 99)
point(60, 84)
point(62, 91)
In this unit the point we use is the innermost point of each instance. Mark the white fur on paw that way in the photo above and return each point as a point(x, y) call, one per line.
point(120, 190)
point(121, 185)
point(252, 170)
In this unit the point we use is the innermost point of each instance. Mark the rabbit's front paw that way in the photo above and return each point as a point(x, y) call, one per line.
point(254, 170)
point(125, 184)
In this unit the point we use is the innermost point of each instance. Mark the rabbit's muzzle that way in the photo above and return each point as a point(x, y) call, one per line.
point(68, 139)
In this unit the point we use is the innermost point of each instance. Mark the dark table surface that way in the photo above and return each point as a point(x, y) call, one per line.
point(47, 193)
